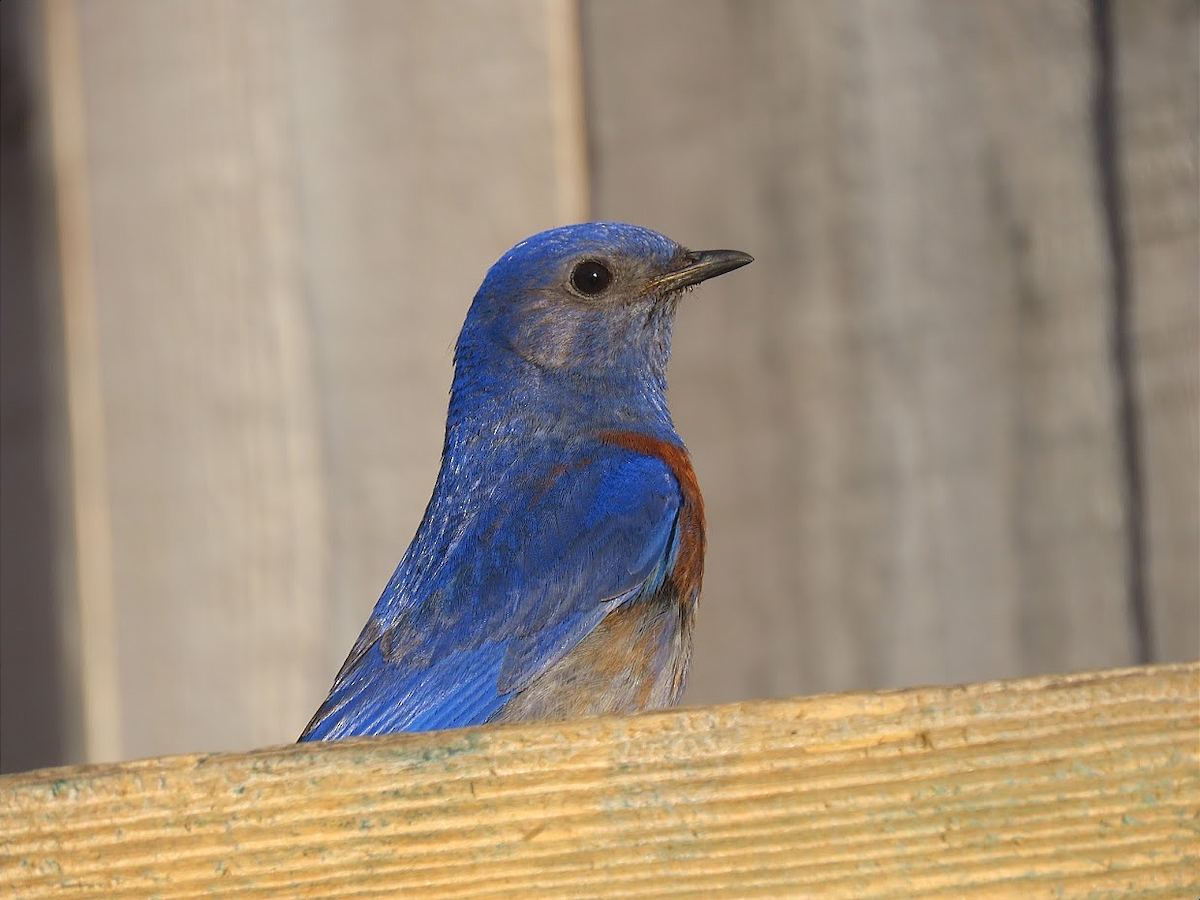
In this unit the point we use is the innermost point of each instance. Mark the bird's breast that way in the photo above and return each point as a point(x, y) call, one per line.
point(687, 573)
point(635, 659)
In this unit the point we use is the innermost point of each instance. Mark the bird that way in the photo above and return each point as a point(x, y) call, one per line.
point(556, 571)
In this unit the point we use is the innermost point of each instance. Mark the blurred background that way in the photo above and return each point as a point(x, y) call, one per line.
point(946, 425)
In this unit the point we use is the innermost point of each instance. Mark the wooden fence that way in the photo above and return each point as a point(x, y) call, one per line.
point(1083, 786)
point(946, 424)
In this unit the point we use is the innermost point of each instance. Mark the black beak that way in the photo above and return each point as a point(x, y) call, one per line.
point(701, 265)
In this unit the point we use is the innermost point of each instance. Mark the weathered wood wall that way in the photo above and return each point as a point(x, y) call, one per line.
point(946, 424)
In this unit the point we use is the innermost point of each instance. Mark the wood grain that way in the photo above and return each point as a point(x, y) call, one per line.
point(1072, 786)
point(1158, 117)
point(425, 135)
point(89, 633)
point(218, 526)
point(292, 204)
point(904, 415)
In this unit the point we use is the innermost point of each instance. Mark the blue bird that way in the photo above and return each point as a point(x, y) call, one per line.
point(556, 571)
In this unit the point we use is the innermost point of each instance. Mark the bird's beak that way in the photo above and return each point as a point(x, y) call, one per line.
point(698, 266)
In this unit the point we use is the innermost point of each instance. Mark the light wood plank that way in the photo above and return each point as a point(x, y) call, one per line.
point(89, 634)
point(214, 455)
point(292, 205)
point(426, 148)
point(565, 82)
point(1066, 787)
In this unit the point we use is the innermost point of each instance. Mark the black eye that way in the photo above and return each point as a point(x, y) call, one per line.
point(590, 277)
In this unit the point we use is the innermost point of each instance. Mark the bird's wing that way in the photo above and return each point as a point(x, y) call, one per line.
point(560, 551)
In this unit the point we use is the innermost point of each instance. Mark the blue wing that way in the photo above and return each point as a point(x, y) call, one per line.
point(553, 553)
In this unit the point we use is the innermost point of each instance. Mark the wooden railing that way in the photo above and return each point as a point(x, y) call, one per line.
point(1069, 786)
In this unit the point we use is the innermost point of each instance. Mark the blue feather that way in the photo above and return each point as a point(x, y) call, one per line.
point(567, 557)
point(564, 501)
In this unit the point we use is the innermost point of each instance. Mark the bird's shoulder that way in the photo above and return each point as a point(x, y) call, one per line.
point(563, 539)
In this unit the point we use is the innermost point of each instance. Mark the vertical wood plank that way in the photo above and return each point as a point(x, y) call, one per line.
point(1158, 116)
point(218, 527)
point(427, 148)
point(903, 415)
point(91, 652)
point(1066, 494)
point(291, 204)
point(41, 721)
point(565, 82)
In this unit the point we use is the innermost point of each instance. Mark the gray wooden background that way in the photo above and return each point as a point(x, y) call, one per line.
point(946, 424)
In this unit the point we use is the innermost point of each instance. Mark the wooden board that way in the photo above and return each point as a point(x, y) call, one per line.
point(905, 415)
point(41, 716)
point(1157, 70)
point(1065, 787)
point(290, 206)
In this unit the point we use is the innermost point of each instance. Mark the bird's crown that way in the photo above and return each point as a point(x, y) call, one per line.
point(586, 308)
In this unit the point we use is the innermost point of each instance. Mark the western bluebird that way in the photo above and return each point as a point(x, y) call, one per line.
point(556, 571)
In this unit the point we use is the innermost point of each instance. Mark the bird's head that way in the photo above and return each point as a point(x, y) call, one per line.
point(589, 304)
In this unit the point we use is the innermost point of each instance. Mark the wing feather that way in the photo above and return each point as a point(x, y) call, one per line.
point(535, 575)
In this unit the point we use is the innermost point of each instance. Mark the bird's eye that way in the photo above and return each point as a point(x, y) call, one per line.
point(590, 277)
